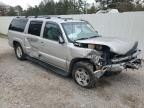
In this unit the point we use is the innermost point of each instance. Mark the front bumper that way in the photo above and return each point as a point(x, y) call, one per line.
point(119, 64)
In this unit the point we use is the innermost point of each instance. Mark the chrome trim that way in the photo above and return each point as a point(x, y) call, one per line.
point(127, 57)
point(116, 67)
point(113, 68)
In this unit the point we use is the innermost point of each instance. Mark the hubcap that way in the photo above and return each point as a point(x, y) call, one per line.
point(19, 52)
point(82, 77)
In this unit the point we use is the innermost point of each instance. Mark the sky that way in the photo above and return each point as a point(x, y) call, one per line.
point(27, 3)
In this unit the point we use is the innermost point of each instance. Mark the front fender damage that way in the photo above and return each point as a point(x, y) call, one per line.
point(96, 58)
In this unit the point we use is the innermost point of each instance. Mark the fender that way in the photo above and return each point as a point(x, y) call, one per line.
point(21, 42)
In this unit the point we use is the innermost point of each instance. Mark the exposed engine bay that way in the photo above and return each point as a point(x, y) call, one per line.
point(106, 60)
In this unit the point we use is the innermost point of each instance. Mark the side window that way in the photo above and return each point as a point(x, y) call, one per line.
point(35, 28)
point(18, 25)
point(52, 31)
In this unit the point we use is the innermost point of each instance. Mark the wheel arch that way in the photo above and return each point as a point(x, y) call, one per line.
point(15, 43)
point(20, 42)
point(76, 60)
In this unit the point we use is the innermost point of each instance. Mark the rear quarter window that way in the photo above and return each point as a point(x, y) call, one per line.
point(18, 25)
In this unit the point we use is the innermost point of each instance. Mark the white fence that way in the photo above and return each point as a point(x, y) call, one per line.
point(4, 24)
point(129, 25)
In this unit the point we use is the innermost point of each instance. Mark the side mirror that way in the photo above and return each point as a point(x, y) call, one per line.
point(61, 41)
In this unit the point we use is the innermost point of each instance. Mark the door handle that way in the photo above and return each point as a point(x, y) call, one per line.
point(42, 43)
point(33, 39)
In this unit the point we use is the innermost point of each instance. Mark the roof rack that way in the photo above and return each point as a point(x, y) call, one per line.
point(65, 18)
point(45, 16)
point(20, 17)
point(48, 18)
point(84, 20)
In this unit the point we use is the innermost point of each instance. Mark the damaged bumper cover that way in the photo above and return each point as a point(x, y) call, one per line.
point(119, 64)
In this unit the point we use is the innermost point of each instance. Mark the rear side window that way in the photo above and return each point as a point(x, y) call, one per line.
point(18, 25)
point(35, 28)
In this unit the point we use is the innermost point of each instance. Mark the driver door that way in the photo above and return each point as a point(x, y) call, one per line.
point(51, 50)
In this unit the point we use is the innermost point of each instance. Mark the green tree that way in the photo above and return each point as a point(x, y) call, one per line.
point(122, 5)
point(19, 10)
point(104, 3)
point(41, 8)
point(92, 9)
point(12, 12)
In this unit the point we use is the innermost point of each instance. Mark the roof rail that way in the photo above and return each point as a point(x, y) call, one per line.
point(20, 17)
point(45, 16)
point(84, 20)
point(48, 18)
point(17, 17)
point(65, 18)
point(36, 16)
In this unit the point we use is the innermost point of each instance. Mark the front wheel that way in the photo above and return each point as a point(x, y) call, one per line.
point(83, 75)
point(19, 52)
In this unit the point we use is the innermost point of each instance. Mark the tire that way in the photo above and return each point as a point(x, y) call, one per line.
point(19, 52)
point(88, 76)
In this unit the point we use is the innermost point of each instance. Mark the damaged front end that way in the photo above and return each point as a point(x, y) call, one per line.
point(107, 61)
point(119, 64)
point(110, 62)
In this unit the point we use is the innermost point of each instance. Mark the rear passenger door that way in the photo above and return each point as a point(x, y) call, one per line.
point(32, 40)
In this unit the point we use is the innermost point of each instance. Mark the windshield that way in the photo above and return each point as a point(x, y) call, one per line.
point(79, 30)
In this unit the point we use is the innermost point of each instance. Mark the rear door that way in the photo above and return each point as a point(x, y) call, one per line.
point(32, 39)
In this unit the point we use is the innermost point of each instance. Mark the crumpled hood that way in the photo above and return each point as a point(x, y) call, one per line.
point(116, 45)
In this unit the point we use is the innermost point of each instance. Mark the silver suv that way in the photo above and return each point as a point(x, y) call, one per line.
point(71, 47)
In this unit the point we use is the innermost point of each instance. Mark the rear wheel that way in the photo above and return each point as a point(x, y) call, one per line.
point(19, 52)
point(83, 74)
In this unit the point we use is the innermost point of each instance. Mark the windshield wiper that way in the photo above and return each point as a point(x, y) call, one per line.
point(86, 38)
point(81, 39)
point(93, 37)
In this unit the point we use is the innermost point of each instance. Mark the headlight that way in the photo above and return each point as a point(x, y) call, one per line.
point(97, 47)
point(91, 46)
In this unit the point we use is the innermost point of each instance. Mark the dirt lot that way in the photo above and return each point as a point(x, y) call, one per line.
point(27, 85)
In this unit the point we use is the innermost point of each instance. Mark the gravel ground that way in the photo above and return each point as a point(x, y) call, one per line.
point(27, 85)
